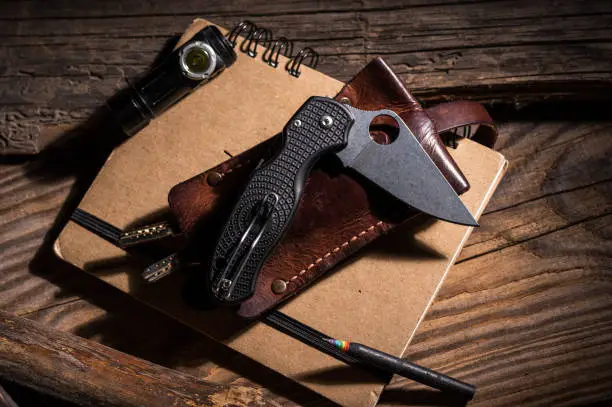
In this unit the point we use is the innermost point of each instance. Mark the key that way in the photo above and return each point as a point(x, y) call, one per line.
point(145, 234)
point(162, 268)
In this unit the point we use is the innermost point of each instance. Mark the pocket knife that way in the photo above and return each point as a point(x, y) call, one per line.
point(268, 203)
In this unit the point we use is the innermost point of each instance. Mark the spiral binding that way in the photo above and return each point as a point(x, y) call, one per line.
point(280, 46)
point(254, 36)
point(293, 67)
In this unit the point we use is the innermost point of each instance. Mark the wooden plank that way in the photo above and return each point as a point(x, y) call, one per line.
point(90, 374)
point(64, 61)
point(73, 9)
point(530, 324)
point(524, 312)
point(523, 331)
point(532, 219)
point(127, 325)
point(554, 156)
point(539, 308)
point(564, 163)
point(548, 217)
point(511, 49)
point(569, 181)
point(33, 9)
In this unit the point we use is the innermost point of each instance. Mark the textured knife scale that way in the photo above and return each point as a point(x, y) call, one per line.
point(276, 184)
point(338, 213)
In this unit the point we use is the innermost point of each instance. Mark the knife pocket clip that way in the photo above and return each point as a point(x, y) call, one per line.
point(239, 257)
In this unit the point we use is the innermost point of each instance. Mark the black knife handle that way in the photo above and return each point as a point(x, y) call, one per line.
point(267, 206)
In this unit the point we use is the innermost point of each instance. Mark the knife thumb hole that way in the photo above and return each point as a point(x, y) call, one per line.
point(384, 129)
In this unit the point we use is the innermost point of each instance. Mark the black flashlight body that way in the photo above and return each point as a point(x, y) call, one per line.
point(194, 63)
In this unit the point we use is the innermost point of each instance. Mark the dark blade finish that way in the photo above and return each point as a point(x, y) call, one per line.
point(403, 169)
point(268, 203)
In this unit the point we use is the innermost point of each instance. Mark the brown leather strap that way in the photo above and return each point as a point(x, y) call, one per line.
point(452, 116)
point(377, 86)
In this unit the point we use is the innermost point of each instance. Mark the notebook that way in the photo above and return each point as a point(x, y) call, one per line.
point(375, 299)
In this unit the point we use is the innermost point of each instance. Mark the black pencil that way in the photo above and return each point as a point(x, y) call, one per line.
point(391, 364)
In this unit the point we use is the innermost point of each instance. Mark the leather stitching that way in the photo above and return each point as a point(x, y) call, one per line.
point(329, 253)
point(337, 249)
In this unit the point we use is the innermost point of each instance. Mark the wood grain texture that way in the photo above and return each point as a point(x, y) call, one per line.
point(528, 299)
point(61, 62)
point(531, 324)
point(525, 315)
point(90, 374)
point(130, 326)
point(559, 175)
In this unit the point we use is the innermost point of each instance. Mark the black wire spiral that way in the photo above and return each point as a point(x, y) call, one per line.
point(293, 66)
point(254, 36)
point(280, 46)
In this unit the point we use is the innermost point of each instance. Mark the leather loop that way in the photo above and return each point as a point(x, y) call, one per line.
point(377, 86)
point(452, 116)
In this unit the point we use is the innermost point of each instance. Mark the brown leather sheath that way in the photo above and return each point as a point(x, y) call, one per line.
point(339, 213)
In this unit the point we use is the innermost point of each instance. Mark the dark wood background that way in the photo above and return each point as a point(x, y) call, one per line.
point(526, 314)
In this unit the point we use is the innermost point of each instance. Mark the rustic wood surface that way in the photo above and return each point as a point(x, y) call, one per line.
point(89, 374)
point(526, 314)
point(61, 59)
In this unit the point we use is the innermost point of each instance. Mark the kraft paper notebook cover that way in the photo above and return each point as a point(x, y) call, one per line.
point(247, 104)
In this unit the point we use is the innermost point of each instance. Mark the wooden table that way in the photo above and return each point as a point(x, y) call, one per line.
point(526, 314)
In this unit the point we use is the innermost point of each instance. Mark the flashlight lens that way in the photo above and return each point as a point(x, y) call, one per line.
point(197, 60)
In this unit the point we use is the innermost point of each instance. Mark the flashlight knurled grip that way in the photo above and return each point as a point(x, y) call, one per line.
point(170, 81)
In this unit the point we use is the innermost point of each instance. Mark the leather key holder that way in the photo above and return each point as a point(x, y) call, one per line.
point(339, 212)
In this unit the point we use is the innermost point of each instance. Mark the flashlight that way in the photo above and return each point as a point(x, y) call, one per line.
point(196, 62)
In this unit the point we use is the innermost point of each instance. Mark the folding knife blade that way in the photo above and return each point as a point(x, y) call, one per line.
point(402, 168)
point(266, 207)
